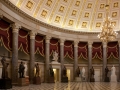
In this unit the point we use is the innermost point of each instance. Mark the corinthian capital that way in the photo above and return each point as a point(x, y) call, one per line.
point(62, 41)
point(15, 27)
point(47, 38)
point(32, 34)
point(76, 43)
point(104, 44)
point(90, 44)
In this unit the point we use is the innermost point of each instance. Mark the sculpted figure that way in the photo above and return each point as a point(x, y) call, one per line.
point(113, 70)
point(78, 72)
point(21, 70)
point(106, 71)
point(25, 65)
point(4, 68)
point(37, 70)
point(51, 72)
point(55, 56)
point(92, 73)
point(83, 72)
point(64, 72)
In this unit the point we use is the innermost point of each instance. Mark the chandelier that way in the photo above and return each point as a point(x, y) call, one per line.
point(107, 33)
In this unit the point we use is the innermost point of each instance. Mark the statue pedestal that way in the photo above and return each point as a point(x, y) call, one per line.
point(78, 79)
point(5, 84)
point(55, 62)
point(51, 80)
point(27, 80)
point(37, 80)
point(64, 79)
point(22, 82)
point(92, 80)
point(107, 79)
point(113, 78)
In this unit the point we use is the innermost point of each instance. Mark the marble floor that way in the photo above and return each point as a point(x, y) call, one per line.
point(71, 86)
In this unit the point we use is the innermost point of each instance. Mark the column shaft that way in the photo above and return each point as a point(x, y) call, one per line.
point(119, 64)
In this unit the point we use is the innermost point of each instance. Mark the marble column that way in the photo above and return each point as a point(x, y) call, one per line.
point(47, 56)
point(104, 59)
point(32, 56)
point(89, 58)
point(75, 58)
point(14, 64)
point(62, 54)
point(119, 62)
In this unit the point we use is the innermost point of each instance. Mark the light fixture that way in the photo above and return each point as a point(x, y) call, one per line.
point(107, 33)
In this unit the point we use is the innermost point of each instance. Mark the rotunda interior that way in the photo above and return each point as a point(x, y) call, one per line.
point(58, 34)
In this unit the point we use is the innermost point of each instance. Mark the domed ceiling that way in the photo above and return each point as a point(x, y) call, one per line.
point(77, 15)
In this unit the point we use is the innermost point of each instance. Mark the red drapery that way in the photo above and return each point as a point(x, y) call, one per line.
point(6, 34)
point(83, 50)
point(113, 49)
point(69, 49)
point(97, 50)
point(23, 41)
point(40, 45)
point(54, 46)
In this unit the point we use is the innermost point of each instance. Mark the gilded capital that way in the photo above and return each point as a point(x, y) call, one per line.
point(15, 27)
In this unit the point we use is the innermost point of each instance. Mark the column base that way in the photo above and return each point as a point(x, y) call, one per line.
point(22, 82)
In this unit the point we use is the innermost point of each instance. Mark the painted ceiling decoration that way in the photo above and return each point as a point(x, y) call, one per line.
point(77, 15)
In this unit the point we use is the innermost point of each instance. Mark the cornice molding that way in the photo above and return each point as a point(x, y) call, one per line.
point(23, 14)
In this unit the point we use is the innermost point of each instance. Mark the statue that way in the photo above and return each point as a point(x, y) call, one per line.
point(106, 71)
point(55, 56)
point(4, 68)
point(51, 72)
point(78, 72)
point(21, 70)
point(83, 72)
point(64, 72)
point(25, 65)
point(92, 73)
point(37, 70)
point(113, 70)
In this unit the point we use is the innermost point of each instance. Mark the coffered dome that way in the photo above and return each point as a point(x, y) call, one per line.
point(77, 15)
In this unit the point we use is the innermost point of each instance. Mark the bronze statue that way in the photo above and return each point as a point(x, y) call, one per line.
point(92, 73)
point(64, 72)
point(4, 68)
point(78, 72)
point(106, 71)
point(21, 70)
point(51, 72)
point(37, 70)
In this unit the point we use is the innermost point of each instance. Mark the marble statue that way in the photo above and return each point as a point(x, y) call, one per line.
point(83, 72)
point(4, 68)
point(55, 56)
point(78, 72)
point(37, 70)
point(21, 70)
point(113, 75)
point(25, 65)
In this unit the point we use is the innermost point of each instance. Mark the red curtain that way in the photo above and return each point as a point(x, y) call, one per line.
point(6, 34)
point(97, 50)
point(23, 41)
point(68, 49)
point(40, 45)
point(83, 50)
point(113, 49)
point(54, 46)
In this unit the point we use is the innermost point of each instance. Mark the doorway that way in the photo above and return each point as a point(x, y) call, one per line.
point(68, 74)
point(97, 75)
point(56, 75)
